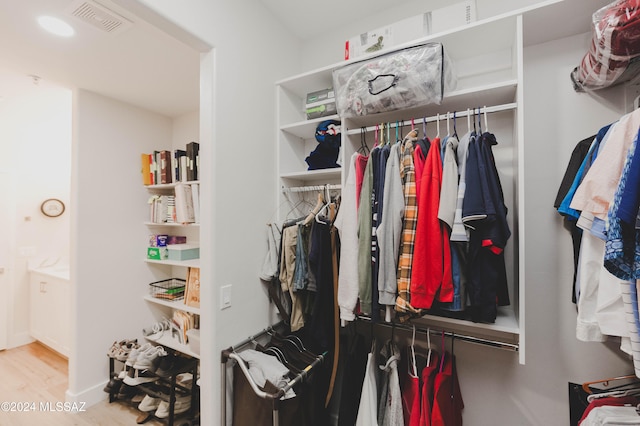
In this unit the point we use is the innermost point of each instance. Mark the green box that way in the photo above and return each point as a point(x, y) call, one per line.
point(183, 251)
point(157, 253)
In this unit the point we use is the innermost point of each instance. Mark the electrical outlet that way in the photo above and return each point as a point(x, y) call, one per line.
point(225, 297)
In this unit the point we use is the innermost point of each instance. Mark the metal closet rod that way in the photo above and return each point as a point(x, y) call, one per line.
point(310, 188)
point(459, 114)
point(466, 338)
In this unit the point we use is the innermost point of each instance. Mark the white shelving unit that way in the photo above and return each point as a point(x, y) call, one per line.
point(161, 308)
point(487, 57)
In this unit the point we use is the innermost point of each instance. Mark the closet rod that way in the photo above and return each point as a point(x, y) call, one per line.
point(310, 188)
point(470, 339)
point(459, 114)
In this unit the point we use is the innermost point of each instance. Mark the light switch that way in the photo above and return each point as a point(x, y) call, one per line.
point(225, 297)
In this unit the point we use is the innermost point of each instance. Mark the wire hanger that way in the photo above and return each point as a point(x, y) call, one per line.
point(363, 149)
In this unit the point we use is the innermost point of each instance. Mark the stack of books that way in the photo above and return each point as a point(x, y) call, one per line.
point(180, 165)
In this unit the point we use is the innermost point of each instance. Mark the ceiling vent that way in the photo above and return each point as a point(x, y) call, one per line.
point(100, 17)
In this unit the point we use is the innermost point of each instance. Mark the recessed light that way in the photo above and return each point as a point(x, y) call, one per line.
point(56, 26)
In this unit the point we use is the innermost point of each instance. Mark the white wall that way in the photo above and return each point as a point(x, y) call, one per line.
point(244, 65)
point(186, 128)
point(35, 138)
point(109, 205)
point(320, 51)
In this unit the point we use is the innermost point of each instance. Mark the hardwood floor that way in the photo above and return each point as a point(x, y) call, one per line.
point(35, 374)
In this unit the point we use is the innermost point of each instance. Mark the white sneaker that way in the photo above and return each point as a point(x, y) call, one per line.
point(182, 404)
point(149, 403)
point(140, 376)
point(144, 360)
point(133, 355)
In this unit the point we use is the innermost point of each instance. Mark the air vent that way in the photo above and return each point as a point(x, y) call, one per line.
point(100, 17)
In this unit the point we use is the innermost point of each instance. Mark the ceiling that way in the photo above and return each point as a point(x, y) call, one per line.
point(140, 65)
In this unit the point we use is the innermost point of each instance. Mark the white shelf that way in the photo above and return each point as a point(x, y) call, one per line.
point(168, 341)
point(309, 175)
point(174, 225)
point(177, 304)
point(306, 129)
point(506, 322)
point(169, 185)
point(193, 263)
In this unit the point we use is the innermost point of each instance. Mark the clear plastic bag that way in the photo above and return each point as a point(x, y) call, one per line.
point(406, 78)
point(614, 53)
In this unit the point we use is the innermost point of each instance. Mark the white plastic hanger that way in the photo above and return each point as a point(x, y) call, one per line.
point(448, 128)
point(437, 125)
point(413, 369)
point(468, 120)
point(429, 345)
point(486, 126)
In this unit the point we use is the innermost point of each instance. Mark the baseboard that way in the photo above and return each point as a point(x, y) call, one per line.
point(19, 339)
point(88, 397)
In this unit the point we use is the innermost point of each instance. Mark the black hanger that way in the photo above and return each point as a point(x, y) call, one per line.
point(363, 149)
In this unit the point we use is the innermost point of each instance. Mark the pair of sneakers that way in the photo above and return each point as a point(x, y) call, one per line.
point(157, 330)
point(141, 364)
point(162, 407)
point(121, 350)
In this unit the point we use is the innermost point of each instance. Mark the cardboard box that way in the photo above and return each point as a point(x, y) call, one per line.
point(320, 96)
point(183, 251)
point(193, 335)
point(321, 110)
point(157, 253)
point(409, 29)
point(158, 240)
point(176, 239)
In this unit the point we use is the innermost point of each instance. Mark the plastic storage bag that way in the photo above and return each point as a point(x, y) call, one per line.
point(614, 53)
point(405, 78)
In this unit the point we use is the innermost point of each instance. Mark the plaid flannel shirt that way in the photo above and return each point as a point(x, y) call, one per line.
point(407, 174)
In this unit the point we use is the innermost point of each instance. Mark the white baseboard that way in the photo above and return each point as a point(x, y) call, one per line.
point(89, 396)
point(19, 339)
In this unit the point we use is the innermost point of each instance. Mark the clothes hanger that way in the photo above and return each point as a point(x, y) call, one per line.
point(315, 210)
point(455, 130)
point(429, 346)
point(448, 128)
point(486, 125)
point(424, 126)
point(375, 135)
point(479, 120)
point(412, 368)
point(437, 125)
point(468, 120)
point(364, 148)
point(605, 382)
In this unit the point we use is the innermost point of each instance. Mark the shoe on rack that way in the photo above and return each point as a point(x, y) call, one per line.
point(139, 377)
point(182, 404)
point(124, 351)
point(113, 386)
point(149, 403)
point(167, 366)
point(156, 330)
point(126, 392)
point(144, 360)
point(133, 355)
point(117, 347)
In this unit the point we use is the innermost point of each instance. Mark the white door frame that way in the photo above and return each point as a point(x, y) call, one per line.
point(7, 219)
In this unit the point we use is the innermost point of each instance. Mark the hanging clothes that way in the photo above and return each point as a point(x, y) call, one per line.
point(407, 175)
point(431, 271)
point(410, 388)
point(428, 376)
point(368, 407)
point(347, 224)
point(447, 398)
point(458, 231)
point(364, 237)
point(389, 230)
point(287, 271)
point(390, 405)
point(485, 212)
